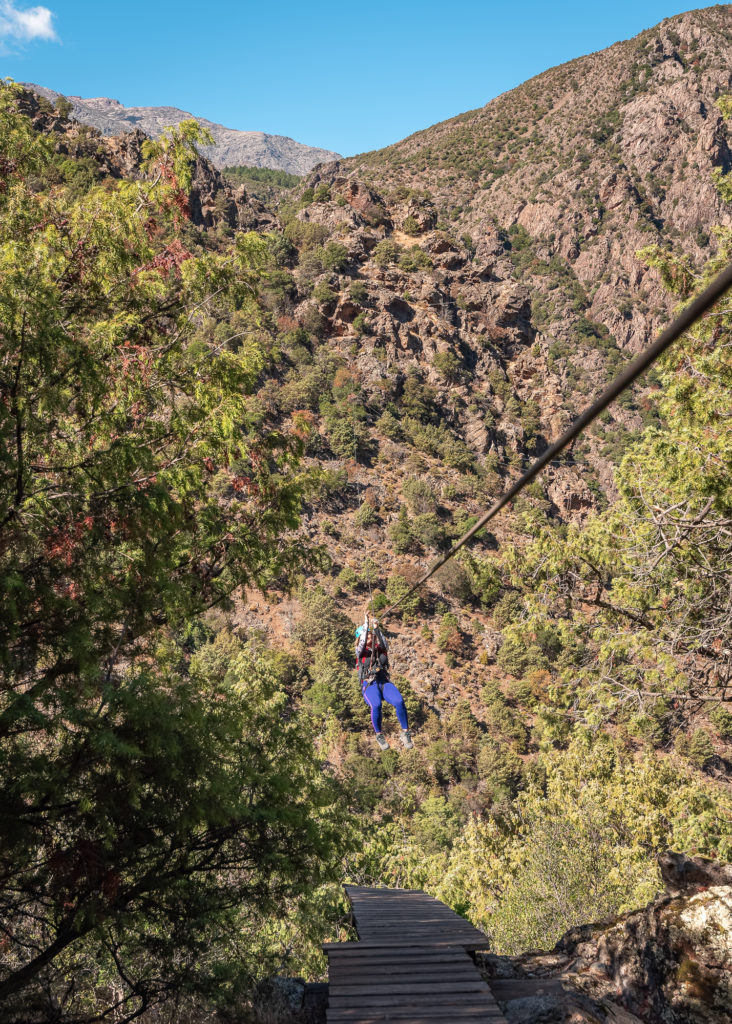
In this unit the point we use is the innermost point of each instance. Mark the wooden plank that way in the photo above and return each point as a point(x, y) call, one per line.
point(410, 964)
point(423, 1013)
point(387, 983)
point(450, 1009)
point(416, 928)
point(423, 943)
point(400, 921)
point(440, 1017)
point(375, 973)
point(378, 958)
point(362, 970)
point(394, 1012)
point(426, 933)
point(401, 954)
point(440, 992)
point(451, 1012)
point(465, 945)
point(397, 1012)
point(445, 1000)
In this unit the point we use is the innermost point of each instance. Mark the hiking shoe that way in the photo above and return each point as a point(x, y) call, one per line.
point(381, 740)
point(407, 739)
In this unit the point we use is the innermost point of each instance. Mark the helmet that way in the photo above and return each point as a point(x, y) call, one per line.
point(360, 630)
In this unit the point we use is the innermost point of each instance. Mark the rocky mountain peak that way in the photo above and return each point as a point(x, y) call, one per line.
point(586, 164)
point(231, 146)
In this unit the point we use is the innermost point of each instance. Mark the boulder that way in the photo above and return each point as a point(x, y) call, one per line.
point(669, 963)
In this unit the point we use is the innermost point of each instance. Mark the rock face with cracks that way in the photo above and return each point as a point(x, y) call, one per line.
point(670, 963)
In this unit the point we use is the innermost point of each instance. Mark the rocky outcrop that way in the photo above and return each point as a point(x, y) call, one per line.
point(594, 160)
point(212, 200)
point(682, 873)
point(670, 963)
point(231, 147)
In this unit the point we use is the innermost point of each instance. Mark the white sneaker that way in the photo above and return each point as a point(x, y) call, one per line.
point(381, 740)
point(407, 739)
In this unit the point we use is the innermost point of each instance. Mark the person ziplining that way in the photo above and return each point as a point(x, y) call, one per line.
point(371, 647)
point(372, 661)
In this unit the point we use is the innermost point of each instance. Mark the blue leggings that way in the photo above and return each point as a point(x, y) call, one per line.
point(377, 692)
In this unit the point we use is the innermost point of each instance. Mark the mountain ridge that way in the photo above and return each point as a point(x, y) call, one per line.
point(231, 147)
point(591, 158)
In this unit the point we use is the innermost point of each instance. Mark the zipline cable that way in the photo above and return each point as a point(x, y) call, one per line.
point(625, 378)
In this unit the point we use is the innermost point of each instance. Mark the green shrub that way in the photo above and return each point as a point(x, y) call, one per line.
point(418, 400)
point(390, 426)
point(568, 876)
point(282, 250)
point(552, 728)
point(326, 483)
point(397, 586)
point(701, 748)
point(370, 573)
point(455, 453)
point(517, 657)
point(332, 689)
point(522, 692)
point(312, 321)
point(485, 579)
point(320, 620)
point(385, 252)
point(501, 767)
point(454, 581)
point(419, 495)
point(323, 292)
point(428, 530)
point(305, 234)
point(263, 175)
point(448, 366)
point(322, 193)
point(358, 291)
point(502, 720)
point(346, 436)
point(414, 259)
point(509, 609)
point(366, 516)
point(361, 325)
point(436, 824)
point(721, 719)
point(410, 225)
point(347, 578)
point(400, 533)
point(334, 256)
point(449, 635)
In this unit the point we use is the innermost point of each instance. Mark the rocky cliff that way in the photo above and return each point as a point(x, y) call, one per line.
point(213, 201)
point(669, 963)
point(231, 147)
point(594, 160)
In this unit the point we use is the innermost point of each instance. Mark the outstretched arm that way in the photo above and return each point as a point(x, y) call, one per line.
point(361, 642)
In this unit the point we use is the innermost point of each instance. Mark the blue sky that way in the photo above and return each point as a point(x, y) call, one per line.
point(349, 77)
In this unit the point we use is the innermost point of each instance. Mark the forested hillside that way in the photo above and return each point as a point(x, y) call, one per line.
point(228, 428)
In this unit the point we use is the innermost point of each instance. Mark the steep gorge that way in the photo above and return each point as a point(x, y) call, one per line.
point(431, 316)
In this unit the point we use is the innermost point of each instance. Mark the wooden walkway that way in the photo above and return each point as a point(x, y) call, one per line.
point(410, 966)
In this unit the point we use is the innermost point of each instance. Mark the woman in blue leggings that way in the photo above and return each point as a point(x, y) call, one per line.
point(372, 659)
